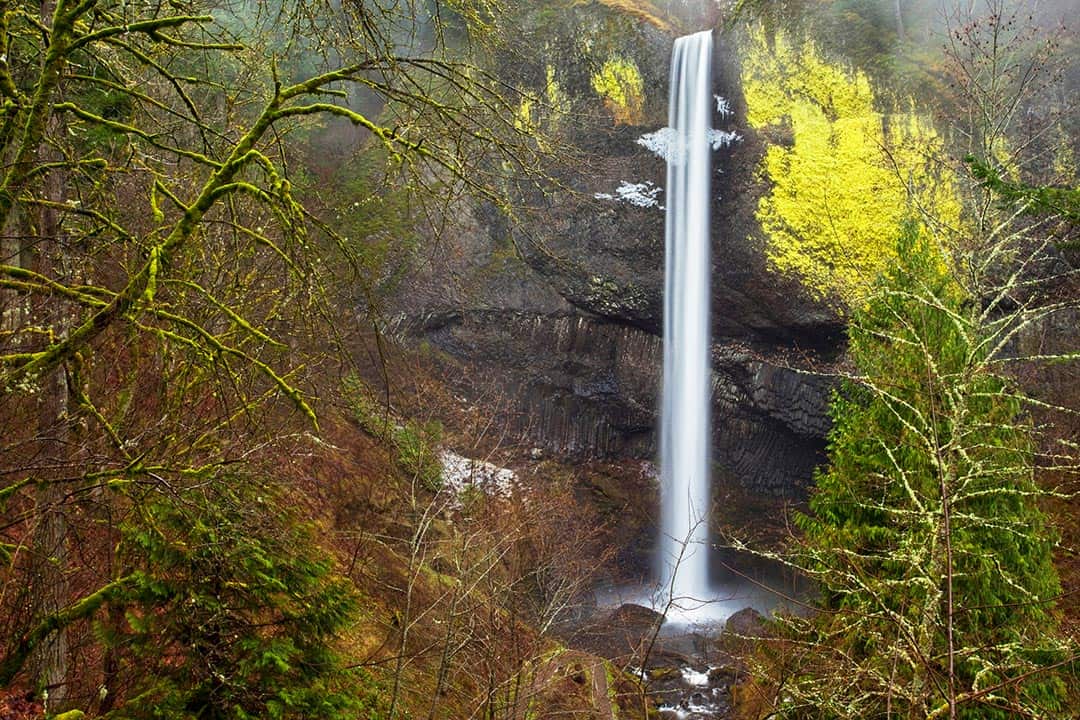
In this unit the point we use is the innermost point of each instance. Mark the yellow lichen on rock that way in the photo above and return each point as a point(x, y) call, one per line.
point(620, 85)
point(558, 101)
point(523, 118)
point(541, 113)
point(844, 175)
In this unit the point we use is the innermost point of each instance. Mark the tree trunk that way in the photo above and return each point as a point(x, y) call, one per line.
point(49, 662)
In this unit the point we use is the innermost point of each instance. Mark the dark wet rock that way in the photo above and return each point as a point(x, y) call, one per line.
point(679, 649)
point(723, 675)
point(586, 388)
point(606, 257)
point(686, 675)
point(748, 622)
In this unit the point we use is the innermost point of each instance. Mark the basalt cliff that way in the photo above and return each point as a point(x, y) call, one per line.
point(556, 310)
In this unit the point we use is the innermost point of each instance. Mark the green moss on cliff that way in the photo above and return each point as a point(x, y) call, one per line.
point(620, 85)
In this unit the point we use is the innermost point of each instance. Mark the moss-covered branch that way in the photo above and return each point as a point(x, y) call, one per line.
point(125, 129)
point(149, 27)
point(79, 610)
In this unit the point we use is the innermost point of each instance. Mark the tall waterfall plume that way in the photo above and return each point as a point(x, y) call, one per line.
point(685, 425)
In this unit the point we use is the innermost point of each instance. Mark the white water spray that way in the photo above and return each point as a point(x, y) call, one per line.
point(685, 427)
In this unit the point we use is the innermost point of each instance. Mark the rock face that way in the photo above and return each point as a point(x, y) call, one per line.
point(559, 314)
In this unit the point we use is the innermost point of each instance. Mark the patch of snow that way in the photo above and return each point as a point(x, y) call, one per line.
point(723, 138)
point(664, 143)
point(723, 108)
point(639, 194)
point(461, 473)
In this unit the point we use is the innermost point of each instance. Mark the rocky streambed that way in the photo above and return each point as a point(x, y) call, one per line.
point(692, 693)
point(687, 670)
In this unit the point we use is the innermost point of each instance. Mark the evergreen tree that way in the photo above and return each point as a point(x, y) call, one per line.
point(231, 612)
point(1063, 202)
point(932, 557)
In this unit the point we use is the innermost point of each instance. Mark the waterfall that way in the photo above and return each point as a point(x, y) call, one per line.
point(685, 428)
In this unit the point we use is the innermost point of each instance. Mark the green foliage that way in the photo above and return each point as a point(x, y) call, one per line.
point(156, 259)
point(417, 452)
point(372, 416)
point(898, 44)
point(110, 104)
point(1031, 199)
point(374, 219)
point(244, 608)
point(416, 444)
point(934, 562)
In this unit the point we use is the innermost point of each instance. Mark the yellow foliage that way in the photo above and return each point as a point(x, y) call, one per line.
point(619, 83)
point(846, 175)
point(1065, 167)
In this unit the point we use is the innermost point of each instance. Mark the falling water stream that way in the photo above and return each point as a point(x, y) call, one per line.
point(690, 593)
point(685, 425)
point(695, 600)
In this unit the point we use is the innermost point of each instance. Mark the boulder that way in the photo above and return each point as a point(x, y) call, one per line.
point(748, 622)
point(621, 635)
